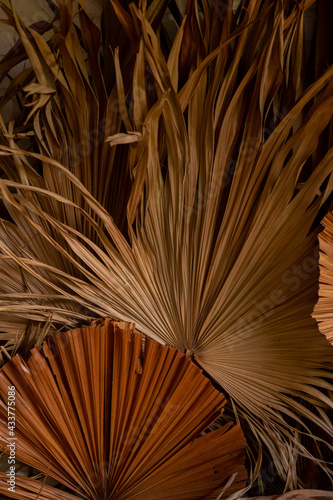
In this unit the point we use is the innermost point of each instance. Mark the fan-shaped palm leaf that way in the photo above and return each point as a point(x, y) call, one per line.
point(220, 260)
point(109, 418)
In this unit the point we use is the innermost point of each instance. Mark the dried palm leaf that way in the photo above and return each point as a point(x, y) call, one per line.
point(299, 495)
point(220, 258)
point(109, 417)
point(65, 74)
point(70, 102)
point(323, 311)
point(59, 81)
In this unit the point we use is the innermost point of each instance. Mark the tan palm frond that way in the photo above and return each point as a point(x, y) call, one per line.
point(109, 417)
point(323, 312)
point(227, 183)
point(71, 111)
point(70, 106)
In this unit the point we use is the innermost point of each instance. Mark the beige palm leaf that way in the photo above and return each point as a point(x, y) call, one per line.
point(227, 183)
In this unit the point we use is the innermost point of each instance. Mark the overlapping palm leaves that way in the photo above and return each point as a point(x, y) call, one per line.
point(218, 254)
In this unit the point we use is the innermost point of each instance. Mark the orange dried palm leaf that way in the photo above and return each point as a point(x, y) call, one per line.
point(323, 311)
point(107, 415)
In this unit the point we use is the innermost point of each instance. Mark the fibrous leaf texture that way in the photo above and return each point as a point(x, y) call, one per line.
point(217, 138)
point(110, 417)
point(323, 311)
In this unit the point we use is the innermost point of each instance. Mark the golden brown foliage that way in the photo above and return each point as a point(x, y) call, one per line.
point(212, 150)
